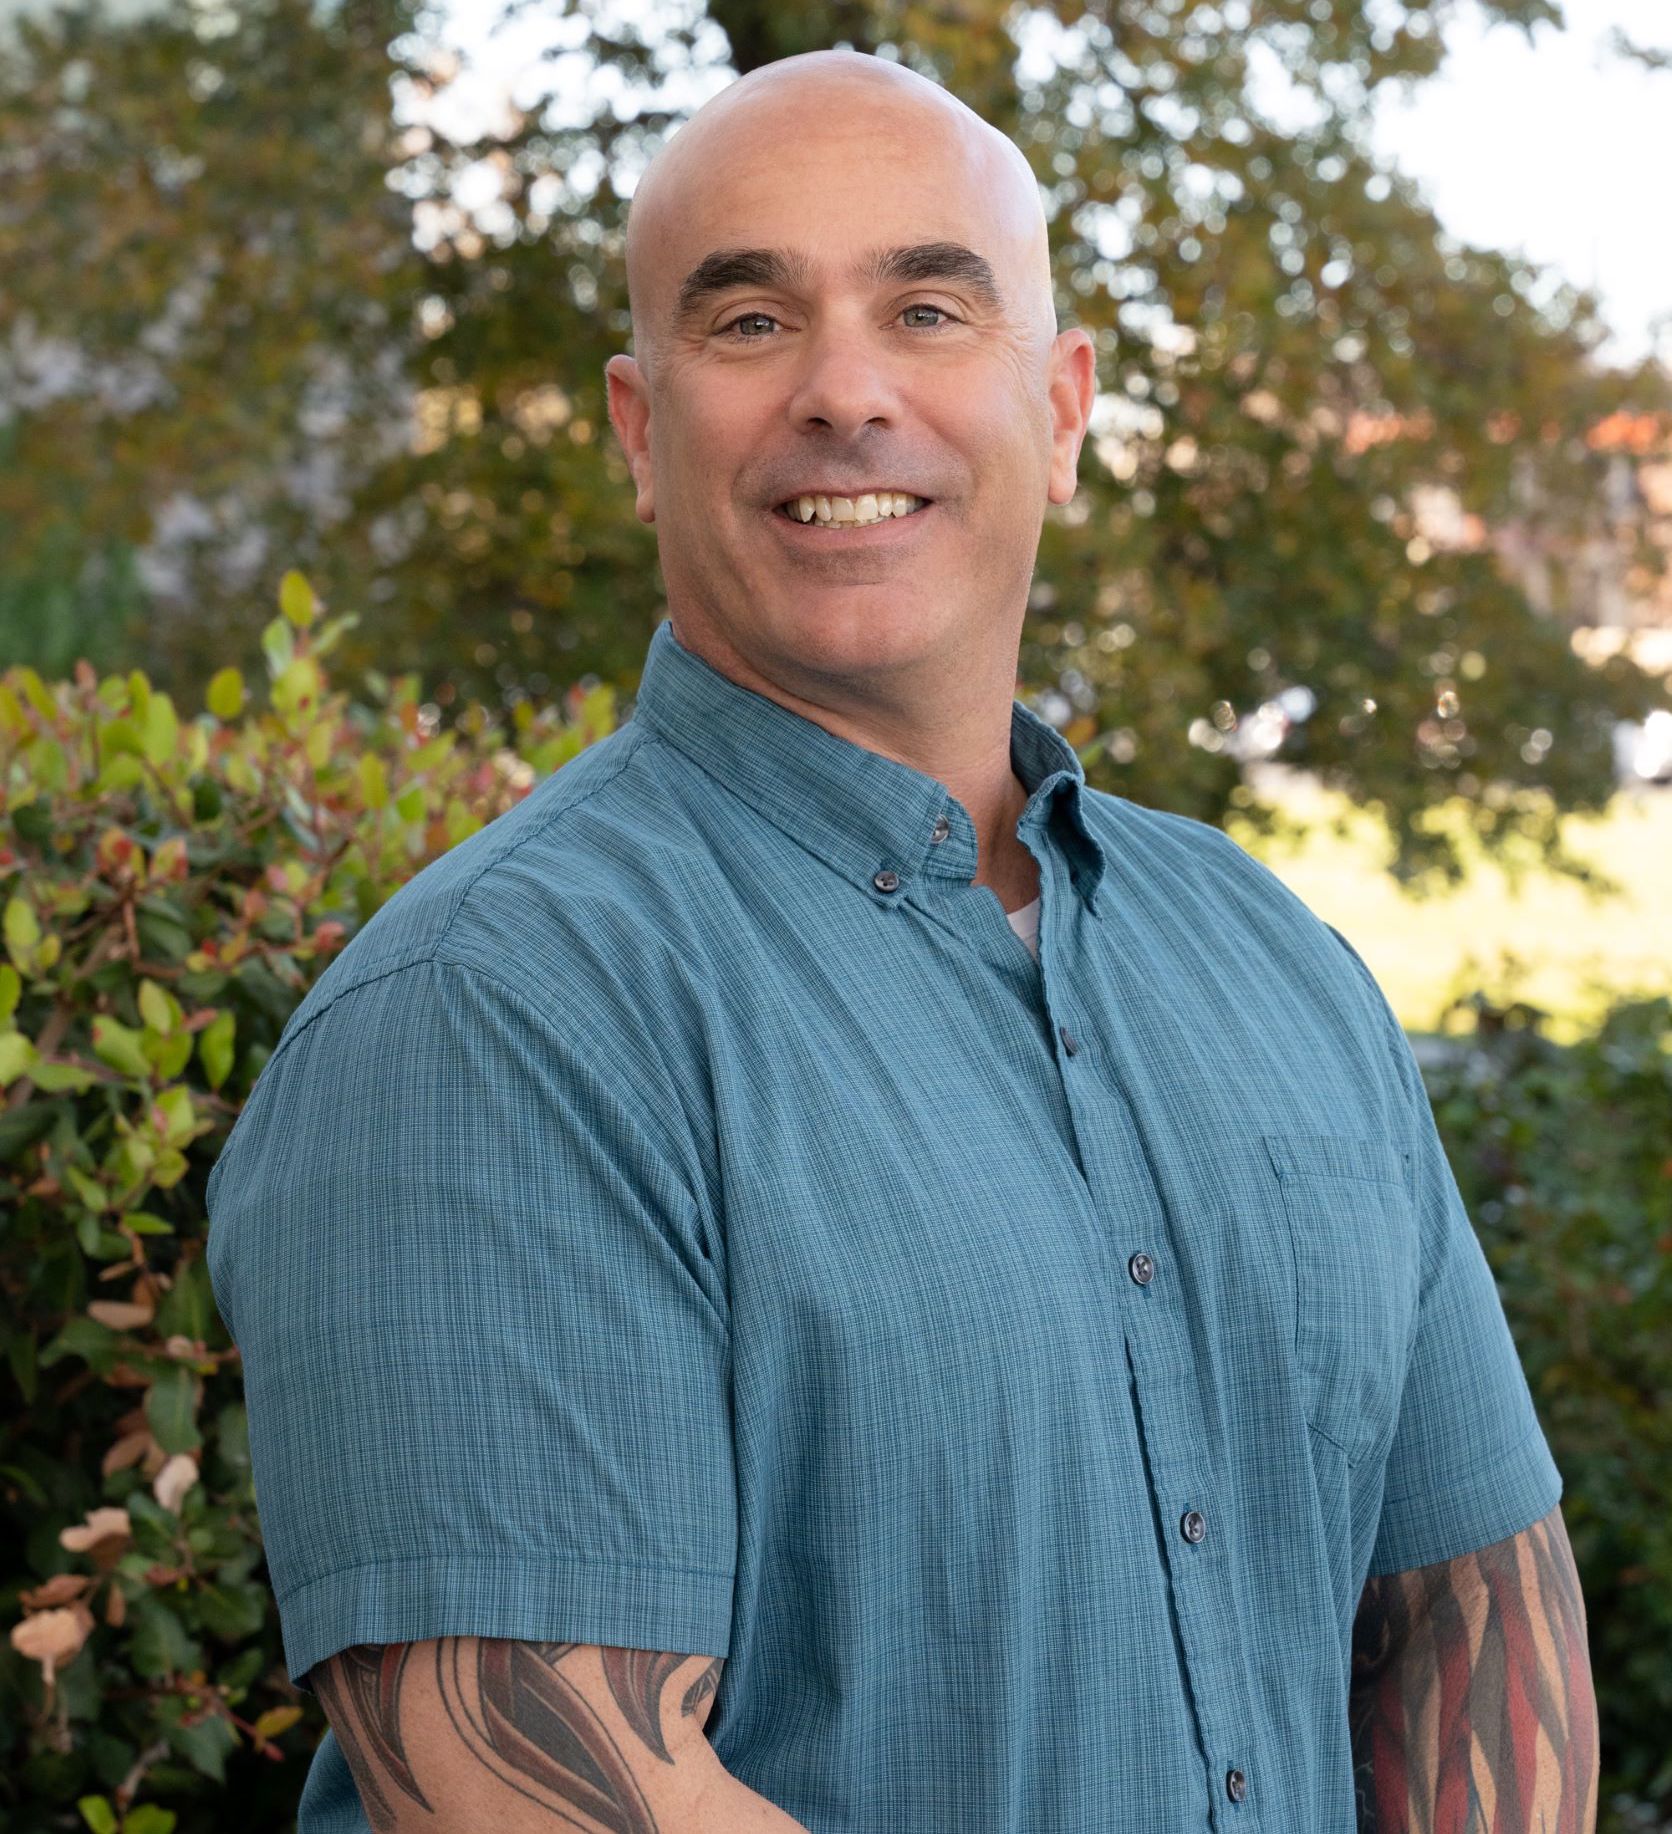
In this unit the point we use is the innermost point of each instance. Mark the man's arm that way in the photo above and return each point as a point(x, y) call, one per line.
point(1471, 1703)
point(457, 1734)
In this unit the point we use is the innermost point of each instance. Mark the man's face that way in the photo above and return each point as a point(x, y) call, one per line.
point(840, 308)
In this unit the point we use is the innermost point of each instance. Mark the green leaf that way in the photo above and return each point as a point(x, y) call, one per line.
point(206, 1745)
point(374, 781)
point(122, 767)
point(215, 1047)
point(225, 696)
point(162, 730)
point(22, 1126)
point(119, 1046)
point(232, 1436)
point(143, 1507)
point(83, 1337)
point(148, 1819)
point(188, 1307)
point(32, 818)
point(170, 1409)
point(17, 1055)
point(159, 1644)
point(299, 680)
point(89, 1190)
point(155, 1008)
point(163, 930)
point(120, 738)
point(238, 1676)
point(328, 635)
point(296, 599)
point(98, 1814)
point(22, 927)
point(231, 1612)
point(179, 1116)
point(142, 1222)
point(278, 645)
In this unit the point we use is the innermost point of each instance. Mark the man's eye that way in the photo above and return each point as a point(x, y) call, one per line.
point(748, 318)
point(939, 311)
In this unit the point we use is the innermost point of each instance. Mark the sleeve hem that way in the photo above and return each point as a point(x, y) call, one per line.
point(1470, 1511)
point(563, 1598)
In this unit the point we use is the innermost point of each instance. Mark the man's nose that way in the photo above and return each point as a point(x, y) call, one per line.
point(844, 381)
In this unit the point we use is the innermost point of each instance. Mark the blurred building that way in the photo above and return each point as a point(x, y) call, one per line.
point(1609, 579)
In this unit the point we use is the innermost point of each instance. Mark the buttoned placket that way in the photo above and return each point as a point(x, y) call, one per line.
point(1149, 1311)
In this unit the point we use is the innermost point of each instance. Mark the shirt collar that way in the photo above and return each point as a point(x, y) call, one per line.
point(864, 814)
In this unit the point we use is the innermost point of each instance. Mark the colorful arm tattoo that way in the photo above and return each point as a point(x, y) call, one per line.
point(1471, 1706)
point(519, 1715)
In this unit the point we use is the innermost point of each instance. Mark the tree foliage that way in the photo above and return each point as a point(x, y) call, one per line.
point(205, 289)
point(1291, 350)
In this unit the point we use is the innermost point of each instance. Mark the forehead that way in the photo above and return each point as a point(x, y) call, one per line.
point(834, 189)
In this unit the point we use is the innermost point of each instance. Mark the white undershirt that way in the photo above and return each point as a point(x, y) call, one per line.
point(1025, 923)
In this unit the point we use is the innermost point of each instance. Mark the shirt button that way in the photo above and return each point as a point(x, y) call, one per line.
point(940, 831)
point(1141, 1268)
point(1236, 1785)
point(1069, 1042)
point(1193, 1525)
point(886, 881)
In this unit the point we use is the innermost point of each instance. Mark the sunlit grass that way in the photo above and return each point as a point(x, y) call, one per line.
point(1551, 942)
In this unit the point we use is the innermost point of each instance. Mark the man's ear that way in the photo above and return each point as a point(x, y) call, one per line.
point(629, 396)
point(1072, 388)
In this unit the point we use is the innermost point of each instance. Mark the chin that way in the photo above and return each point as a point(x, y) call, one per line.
point(871, 622)
point(865, 631)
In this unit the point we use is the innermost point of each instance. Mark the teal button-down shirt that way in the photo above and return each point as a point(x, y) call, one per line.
point(687, 1218)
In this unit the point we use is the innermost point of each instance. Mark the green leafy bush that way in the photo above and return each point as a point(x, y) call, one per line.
point(1564, 1158)
point(170, 891)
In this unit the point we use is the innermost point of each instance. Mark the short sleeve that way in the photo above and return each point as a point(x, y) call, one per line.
point(484, 1343)
point(1469, 1463)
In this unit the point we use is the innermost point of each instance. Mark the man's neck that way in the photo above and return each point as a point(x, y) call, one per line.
point(967, 747)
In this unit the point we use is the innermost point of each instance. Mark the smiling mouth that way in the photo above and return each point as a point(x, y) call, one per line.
point(852, 512)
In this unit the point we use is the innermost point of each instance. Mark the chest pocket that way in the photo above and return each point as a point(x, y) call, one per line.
point(1353, 1229)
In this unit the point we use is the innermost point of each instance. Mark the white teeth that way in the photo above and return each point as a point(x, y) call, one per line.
point(872, 506)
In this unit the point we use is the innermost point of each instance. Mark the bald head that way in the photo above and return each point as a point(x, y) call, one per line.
point(848, 404)
point(722, 178)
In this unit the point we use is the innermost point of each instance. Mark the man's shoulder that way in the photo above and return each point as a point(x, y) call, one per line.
point(557, 887)
point(1180, 859)
point(1164, 840)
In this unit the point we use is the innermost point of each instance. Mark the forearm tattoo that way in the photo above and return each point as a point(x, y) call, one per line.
point(518, 1715)
point(1472, 1709)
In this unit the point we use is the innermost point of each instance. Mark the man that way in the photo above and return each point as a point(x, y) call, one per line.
point(738, 1337)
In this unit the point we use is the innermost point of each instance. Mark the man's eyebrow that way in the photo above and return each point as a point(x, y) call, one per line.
point(783, 268)
point(738, 267)
point(939, 261)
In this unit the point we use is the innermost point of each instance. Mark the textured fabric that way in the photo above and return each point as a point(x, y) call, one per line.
point(686, 1218)
point(1025, 923)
